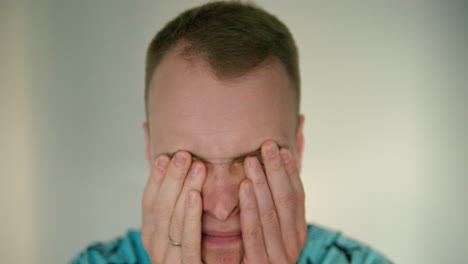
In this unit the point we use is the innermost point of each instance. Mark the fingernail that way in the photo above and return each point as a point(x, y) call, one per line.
point(162, 162)
point(272, 150)
point(180, 159)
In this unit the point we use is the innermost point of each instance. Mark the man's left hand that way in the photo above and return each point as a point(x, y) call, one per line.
point(272, 210)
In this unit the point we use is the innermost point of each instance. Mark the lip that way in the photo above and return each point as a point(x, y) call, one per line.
point(221, 238)
point(222, 233)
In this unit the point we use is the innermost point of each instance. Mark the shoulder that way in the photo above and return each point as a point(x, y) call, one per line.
point(126, 249)
point(325, 246)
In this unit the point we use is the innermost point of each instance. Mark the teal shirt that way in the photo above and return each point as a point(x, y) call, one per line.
point(323, 246)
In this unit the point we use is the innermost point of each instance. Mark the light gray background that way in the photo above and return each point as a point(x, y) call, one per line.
point(384, 94)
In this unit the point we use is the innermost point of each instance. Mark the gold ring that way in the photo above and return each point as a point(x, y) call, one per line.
point(176, 244)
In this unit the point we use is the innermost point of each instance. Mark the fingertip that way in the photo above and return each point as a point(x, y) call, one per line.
point(161, 163)
point(269, 149)
point(181, 158)
point(253, 163)
point(197, 169)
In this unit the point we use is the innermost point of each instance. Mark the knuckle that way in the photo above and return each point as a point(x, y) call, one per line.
point(255, 232)
point(192, 219)
point(163, 211)
point(177, 174)
point(250, 208)
point(269, 216)
point(275, 164)
point(189, 248)
point(258, 179)
point(286, 200)
point(177, 225)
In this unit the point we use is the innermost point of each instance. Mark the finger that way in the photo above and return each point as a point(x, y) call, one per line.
point(167, 197)
point(252, 234)
point(157, 171)
point(266, 208)
point(194, 181)
point(283, 195)
point(191, 237)
point(300, 194)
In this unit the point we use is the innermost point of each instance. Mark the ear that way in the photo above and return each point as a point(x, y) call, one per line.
point(299, 142)
point(149, 154)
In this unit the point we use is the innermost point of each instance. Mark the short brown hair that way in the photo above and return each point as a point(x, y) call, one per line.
point(233, 37)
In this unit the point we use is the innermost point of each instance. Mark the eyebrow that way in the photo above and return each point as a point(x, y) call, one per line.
point(241, 157)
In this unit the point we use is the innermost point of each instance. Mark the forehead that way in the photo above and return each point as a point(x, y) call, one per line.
point(190, 108)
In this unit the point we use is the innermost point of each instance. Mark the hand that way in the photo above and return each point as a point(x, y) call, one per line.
point(272, 210)
point(172, 206)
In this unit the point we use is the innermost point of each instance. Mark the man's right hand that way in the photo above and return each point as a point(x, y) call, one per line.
point(172, 206)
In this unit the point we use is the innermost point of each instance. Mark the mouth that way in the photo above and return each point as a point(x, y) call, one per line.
point(218, 238)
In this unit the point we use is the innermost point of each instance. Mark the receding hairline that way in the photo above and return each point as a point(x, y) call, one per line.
point(180, 51)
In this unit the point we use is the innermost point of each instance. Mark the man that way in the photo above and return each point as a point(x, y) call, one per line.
point(224, 141)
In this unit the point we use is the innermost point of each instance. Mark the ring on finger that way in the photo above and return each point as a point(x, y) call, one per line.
point(176, 244)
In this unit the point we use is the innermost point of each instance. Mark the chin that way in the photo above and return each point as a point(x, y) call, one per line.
point(227, 255)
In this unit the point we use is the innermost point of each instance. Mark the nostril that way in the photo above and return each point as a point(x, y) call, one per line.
point(223, 213)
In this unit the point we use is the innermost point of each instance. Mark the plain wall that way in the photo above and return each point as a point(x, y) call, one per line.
point(384, 95)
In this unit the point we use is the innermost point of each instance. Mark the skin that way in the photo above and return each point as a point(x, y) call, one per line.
point(205, 173)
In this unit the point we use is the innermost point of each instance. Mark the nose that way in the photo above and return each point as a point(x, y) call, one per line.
point(221, 191)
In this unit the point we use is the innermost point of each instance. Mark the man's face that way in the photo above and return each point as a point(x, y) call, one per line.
point(217, 120)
